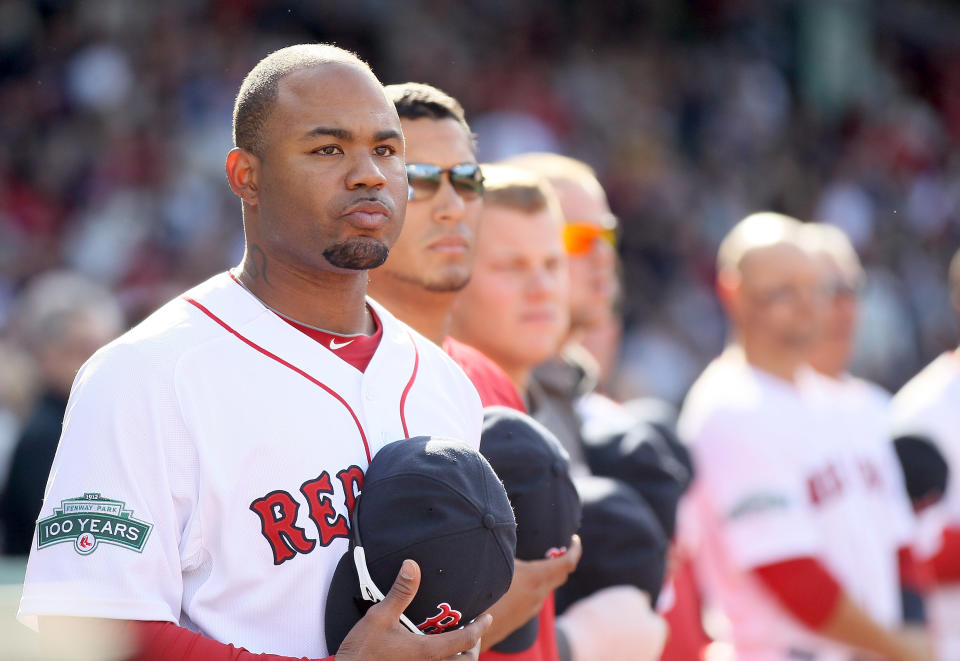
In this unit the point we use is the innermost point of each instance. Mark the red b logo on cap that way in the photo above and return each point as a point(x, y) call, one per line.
point(446, 617)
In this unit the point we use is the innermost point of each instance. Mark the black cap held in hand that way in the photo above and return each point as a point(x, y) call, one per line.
point(438, 502)
point(623, 543)
point(535, 470)
point(648, 458)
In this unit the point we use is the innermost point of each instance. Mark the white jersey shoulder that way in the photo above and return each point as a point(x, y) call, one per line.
point(928, 403)
point(726, 388)
point(208, 463)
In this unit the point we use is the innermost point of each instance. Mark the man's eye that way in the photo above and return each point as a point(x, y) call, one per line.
point(328, 150)
point(385, 150)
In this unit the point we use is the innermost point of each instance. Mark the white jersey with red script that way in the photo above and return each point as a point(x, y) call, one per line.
point(209, 460)
point(929, 405)
point(784, 471)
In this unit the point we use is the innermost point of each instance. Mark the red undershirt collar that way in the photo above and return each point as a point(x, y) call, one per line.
point(357, 350)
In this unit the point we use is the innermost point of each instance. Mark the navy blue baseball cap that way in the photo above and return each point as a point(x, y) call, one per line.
point(438, 502)
point(623, 543)
point(535, 470)
point(649, 458)
point(925, 471)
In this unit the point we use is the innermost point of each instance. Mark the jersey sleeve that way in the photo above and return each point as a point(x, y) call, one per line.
point(804, 587)
point(757, 495)
point(164, 641)
point(118, 522)
point(474, 417)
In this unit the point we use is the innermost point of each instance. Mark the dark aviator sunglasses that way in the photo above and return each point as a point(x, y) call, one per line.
point(423, 180)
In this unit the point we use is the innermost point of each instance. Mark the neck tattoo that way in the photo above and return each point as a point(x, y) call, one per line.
point(368, 316)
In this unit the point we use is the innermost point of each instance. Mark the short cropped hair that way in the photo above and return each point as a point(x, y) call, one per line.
point(518, 189)
point(556, 168)
point(259, 90)
point(758, 230)
point(830, 240)
point(562, 171)
point(419, 100)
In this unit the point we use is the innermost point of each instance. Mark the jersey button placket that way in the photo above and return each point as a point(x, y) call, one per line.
point(369, 400)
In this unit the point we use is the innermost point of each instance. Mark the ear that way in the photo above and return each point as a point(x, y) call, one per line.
point(728, 290)
point(243, 170)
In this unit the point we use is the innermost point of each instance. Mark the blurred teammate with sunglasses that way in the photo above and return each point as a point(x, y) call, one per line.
point(565, 392)
point(589, 235)
point(589, 239)
point(428, 265)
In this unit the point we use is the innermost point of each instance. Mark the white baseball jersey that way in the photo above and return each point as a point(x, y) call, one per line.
point(929, 405)
point(208, 461)
point(785, 471)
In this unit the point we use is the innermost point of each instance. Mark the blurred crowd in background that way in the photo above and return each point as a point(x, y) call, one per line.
point(115, 122)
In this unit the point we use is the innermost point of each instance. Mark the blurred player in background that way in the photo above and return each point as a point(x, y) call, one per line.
point(866, 410)
point(18, 391)
point(514, 308)
point(430, 263)
point(561, 383)
point(63, 317)
point(929, 404)
point(844, 279)
point(783, 515)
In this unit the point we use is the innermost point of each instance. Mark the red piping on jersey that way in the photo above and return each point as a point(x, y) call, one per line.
point(406, 390)
point(299, 371)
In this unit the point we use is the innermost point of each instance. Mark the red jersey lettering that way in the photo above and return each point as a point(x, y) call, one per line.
point(352, 481)
point(329, 524)
point(278, 516)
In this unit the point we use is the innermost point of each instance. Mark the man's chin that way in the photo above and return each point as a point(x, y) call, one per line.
point(433, 282)
point(357, 254)
point(449, 286)
point(801, 343)
point(448, 281)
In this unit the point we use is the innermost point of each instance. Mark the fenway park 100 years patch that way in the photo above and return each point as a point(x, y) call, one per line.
point(90, 520)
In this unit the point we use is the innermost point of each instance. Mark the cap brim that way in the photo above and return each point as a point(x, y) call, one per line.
point(520, 640)
point(345, 606)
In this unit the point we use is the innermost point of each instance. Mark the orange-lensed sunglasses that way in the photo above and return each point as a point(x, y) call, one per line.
point(579, 237)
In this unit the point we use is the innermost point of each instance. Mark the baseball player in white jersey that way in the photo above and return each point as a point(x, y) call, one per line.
point(864, 407)
point(929, 404)
point(211, 456)
point(787, 512)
